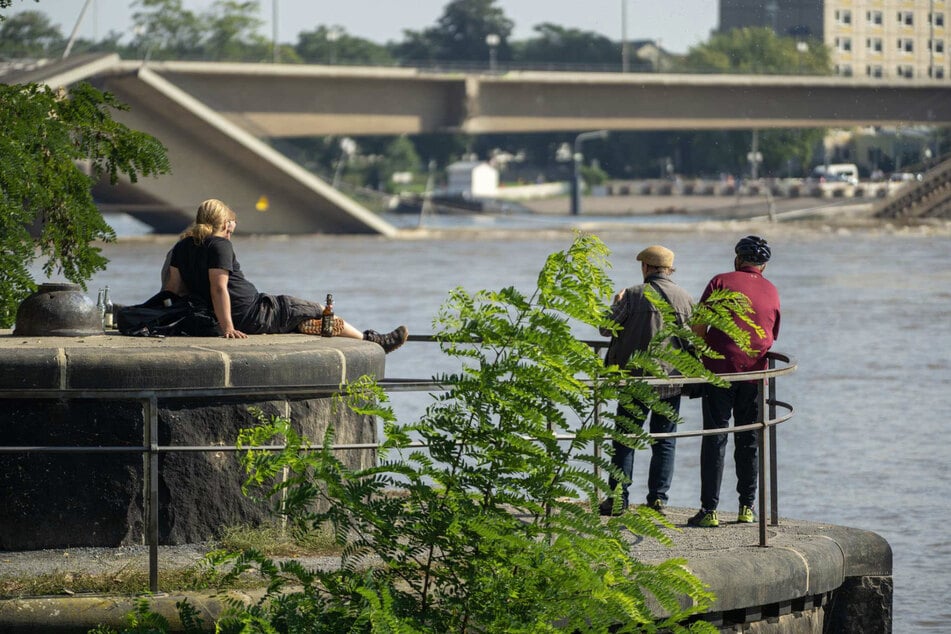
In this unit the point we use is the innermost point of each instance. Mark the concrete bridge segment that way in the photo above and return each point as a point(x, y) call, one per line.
point(215, 119)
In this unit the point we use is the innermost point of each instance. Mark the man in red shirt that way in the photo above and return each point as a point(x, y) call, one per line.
point(740, 398)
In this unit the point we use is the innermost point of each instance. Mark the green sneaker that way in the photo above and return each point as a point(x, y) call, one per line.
point(745, 515)
point(704, 519)
point(655, 505)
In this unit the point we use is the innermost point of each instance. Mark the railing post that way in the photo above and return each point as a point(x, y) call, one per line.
point(596, 415)
point(762, 440)
point(773, 452)
point(150, 411)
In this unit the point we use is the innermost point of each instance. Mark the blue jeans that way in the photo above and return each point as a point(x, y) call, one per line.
point(661, 471)
point(740, 401)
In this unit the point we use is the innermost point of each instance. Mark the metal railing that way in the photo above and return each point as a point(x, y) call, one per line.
point(151, 449)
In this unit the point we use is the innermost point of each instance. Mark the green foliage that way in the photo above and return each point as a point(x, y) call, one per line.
point(29, 34)
point(53, 146)
point(593, 175)
point(566, 46)
point(228, 30)
point(493, 526)
point(333, 45)
point(757, 50)
point(459, 34)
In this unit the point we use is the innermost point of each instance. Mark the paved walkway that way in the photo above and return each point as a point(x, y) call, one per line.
point(802, 559)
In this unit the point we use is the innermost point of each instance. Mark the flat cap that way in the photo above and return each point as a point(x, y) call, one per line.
point(657, 256)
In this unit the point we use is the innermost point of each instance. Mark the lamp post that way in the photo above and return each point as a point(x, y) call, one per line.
point(625, 49)
point(576, 165)
point(492, 40)
point(801, 49)
point(275, 51)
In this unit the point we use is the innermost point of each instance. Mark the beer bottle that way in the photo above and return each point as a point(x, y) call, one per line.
point(101, 307)
point(327, 318)
point(108, 321)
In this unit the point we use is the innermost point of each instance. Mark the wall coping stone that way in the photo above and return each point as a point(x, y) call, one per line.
point(115, 361)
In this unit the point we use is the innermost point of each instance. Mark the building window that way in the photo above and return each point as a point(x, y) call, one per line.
point(937, 19)
point(843, 70)
point(906, 45)
point(874, 44)
point(874, 17)
point(906, 71)
point(936, 72)
point(936, 46)
point(843, 44)
point(843, 16)
point(874, 71)
point(906, 18)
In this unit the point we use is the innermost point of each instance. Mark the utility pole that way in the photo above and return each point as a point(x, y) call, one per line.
point(625, 49)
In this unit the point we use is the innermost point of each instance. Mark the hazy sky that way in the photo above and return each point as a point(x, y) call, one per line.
point(678, 24)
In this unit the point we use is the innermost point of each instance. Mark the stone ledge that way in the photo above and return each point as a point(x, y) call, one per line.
point(115, 361)
point(804, 559)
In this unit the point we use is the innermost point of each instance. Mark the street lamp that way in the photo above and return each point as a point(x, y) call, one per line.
point(576, 165)
point(801, 49)
point(625, 49)
point(492, 41)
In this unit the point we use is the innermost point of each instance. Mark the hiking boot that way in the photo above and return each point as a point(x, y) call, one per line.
point(656, 505)
point(606, 508)
point(704, 519)
point(390, 341)
point(745, 515)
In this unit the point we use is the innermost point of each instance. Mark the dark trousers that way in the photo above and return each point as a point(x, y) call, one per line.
point(661, 471)
point(740, 401)
point(278, 314)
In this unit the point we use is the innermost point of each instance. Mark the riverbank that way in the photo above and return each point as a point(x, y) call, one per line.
point(791, 583)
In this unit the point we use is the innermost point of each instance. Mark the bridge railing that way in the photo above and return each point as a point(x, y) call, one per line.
point(768, 417)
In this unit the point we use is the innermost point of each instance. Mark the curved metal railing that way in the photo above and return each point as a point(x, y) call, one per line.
point(151, 449)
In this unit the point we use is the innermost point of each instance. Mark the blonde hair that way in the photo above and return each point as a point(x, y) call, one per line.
point(212, 215)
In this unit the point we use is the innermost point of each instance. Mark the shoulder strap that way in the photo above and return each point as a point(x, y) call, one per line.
point(657, 288)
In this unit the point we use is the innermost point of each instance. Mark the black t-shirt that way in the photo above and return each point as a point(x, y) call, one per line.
point(193, 261)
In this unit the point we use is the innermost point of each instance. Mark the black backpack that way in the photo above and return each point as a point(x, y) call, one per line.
point(177, 317)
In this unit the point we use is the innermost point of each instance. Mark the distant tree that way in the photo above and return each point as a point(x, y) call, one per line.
point(333, 45)
point(459, 34)
point(565, 46)
point(757, 50)
point(232, 32)
point(165, 29)
point(30, 34)
point(401, 156)
point(227, 31)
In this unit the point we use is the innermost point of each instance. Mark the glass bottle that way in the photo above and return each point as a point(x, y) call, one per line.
point(108, 321)
point(101, 307)
point(327, 318)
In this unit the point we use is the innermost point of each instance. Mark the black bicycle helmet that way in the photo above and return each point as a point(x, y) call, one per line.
point(753, 249)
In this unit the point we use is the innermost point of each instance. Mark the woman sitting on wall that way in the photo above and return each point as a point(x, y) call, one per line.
point(203, 263)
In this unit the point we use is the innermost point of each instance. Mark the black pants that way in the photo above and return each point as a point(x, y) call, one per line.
point(740, 401)
point(278, 314)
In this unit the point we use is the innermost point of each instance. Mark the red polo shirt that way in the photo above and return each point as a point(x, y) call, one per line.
point(764, 300)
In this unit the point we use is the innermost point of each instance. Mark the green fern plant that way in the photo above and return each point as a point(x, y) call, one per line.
point(493, 526)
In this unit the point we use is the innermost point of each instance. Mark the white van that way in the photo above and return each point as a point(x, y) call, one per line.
point(848, 172)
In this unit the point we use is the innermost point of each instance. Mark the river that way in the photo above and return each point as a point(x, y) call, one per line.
point(863, 314)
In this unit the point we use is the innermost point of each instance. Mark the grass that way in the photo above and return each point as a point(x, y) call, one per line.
point(272, 541)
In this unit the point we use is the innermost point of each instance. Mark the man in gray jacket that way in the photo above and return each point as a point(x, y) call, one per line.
point(640, 321)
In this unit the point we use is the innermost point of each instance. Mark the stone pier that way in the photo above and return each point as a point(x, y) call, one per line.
point(205, 387)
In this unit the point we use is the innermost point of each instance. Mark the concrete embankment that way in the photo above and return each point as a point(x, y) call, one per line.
point(811, 577)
